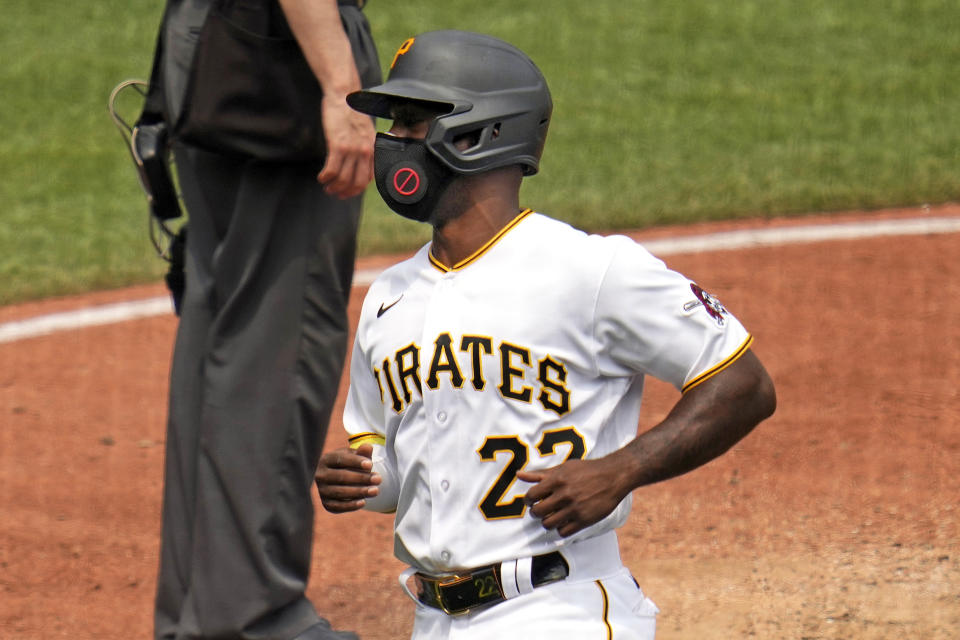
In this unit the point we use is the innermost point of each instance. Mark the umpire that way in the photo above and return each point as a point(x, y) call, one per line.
point(261, 342)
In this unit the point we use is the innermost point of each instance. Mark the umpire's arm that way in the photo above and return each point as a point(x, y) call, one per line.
point(349, 134)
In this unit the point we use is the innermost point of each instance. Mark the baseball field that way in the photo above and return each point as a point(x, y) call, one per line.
point(837, 518)
point(711, 132)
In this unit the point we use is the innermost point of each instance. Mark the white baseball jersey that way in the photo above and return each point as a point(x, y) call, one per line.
point(529, 352)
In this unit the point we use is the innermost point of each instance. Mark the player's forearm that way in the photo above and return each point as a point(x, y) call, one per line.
point(705, 423)
point(317, 28)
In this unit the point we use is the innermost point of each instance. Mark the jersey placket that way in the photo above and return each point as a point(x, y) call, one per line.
point(446, 444)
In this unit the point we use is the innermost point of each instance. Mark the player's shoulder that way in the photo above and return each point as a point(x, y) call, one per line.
point(404, 270)
point(397, 278)
point(577, 244)
point(556, 234)
point(550, 227)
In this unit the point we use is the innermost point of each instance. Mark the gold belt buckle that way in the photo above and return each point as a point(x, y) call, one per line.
point(483, 589)
point(451, 581)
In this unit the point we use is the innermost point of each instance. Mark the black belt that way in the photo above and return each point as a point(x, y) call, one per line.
point(352, 3)
point(462, 592)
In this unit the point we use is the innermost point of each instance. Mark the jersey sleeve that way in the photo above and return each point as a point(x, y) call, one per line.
point(363, 421)
point(363, 412)
point(652, 320)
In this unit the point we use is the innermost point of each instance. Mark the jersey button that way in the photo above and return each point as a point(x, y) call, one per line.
point(445, 485)
point(441, 416)
point(445, 556)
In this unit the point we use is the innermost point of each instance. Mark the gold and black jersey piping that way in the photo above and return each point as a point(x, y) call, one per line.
point(364, 438)
point(709, 373)
point(482, 250)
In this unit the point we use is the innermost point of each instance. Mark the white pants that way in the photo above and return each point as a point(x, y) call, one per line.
point(598, 601)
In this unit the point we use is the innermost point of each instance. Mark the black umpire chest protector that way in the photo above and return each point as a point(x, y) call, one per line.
point(229, 77)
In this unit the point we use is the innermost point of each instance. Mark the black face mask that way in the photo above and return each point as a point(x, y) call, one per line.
point(410, 180)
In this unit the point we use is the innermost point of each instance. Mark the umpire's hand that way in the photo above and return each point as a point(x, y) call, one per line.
point(350, 137)
point(344, 479)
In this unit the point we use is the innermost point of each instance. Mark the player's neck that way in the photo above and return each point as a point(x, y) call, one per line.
point(489, 202)
point(459, 238)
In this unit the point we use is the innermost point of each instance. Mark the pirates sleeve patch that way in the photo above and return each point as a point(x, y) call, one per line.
point(710, 303)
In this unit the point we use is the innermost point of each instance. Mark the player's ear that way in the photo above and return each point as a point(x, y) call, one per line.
point(466, 141)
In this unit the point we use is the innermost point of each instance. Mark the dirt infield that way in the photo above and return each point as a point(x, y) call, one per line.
point(837, 518)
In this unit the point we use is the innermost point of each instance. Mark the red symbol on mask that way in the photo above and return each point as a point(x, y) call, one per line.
point(406, 181)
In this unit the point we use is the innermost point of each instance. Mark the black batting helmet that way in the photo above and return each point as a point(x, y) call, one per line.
point(483, 86)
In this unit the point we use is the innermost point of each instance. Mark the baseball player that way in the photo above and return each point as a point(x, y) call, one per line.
point(497, 375)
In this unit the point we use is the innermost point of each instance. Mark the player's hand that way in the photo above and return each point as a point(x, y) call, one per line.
point(345, 478)
point(574, 495)
point(350, 137)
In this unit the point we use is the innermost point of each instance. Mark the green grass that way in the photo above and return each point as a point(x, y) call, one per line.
point(663, 113)
point(72, 216)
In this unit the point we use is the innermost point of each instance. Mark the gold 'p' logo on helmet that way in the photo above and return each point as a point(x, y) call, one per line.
point(402, 50)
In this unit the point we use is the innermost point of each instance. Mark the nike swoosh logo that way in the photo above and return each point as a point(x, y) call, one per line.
point(384, 309)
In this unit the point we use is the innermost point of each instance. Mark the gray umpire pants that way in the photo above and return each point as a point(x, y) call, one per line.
point(258, 358)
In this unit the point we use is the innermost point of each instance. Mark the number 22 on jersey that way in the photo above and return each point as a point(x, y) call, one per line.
point(494, 505)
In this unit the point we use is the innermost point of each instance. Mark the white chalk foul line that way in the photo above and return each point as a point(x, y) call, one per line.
point(111, 314)
point(748, 238)
point(90, 317)
point(722, 241)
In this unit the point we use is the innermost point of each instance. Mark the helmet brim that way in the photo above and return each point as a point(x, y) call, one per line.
point(380, 100)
